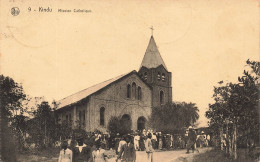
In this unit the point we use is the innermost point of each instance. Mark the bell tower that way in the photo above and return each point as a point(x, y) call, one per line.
point(154, 72)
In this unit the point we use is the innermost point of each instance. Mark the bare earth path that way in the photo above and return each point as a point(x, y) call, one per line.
point(168, 156)
point(159, 156)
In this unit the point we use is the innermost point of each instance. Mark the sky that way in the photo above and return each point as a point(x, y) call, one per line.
point(56, 54)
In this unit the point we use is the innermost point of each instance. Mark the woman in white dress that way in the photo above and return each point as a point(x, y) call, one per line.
point(65, 153)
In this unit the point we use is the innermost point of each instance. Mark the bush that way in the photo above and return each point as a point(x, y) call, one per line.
point(118, 125)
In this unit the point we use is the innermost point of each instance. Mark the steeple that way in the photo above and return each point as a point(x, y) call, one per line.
point(152, 57)
point(153, 71)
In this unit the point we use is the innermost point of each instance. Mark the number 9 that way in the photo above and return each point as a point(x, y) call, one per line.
point(29, 9)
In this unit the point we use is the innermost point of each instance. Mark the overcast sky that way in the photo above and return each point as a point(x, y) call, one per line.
point(57, 54)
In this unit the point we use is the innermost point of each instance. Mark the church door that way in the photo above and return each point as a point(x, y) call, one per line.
point(141, 123)
point(126, 123)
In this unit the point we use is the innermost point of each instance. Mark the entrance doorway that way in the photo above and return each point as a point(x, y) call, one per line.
point(126, 122)
point(141, 123)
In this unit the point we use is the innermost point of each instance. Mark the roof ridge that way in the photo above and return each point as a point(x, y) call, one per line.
point(87, 88)
point(91, 91)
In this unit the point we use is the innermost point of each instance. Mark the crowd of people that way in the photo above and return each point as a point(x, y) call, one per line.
point(93, 147)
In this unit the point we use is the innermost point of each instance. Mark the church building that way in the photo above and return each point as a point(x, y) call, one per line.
point(129, 96)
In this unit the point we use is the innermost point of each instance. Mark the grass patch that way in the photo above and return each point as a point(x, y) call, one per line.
point(219, 156)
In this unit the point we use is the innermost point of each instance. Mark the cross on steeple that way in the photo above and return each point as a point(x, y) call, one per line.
point(152, 57)
point(152, 29)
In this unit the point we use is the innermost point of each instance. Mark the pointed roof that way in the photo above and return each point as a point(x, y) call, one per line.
point(152, 57)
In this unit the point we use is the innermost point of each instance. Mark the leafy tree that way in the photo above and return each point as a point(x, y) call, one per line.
point(42, 127)
point(19, 126)
point(118, 125)
point(173, 117)
point(8, 142)
point(63, 131)
point(237, 104)
point(11, 96)
point(114, 125)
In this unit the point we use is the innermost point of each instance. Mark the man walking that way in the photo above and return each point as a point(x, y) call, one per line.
point(191, 140)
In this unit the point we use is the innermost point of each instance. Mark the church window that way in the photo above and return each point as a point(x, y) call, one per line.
point(145, 76)
point(134, 90)
point(163, 77)
point(139, 90)
point(161, 97)
point(159, 76)
point(102, 116)
point(128, 91)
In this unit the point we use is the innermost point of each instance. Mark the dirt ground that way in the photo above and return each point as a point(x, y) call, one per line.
point(51, 155)
point(48, 155)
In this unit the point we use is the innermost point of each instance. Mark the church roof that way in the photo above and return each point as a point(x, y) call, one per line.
point(86, 92)
point(152, 57)
point(74, 98)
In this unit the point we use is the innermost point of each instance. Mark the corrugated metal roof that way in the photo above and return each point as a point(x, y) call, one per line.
point(86, 92)
point(152, 57)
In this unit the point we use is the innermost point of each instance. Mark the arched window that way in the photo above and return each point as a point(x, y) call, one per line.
point(161, 97)
point(159, 76)
point(128, 93)
point(163, 77)
point(139, 92)
point(145, 76)
point(134, 90)
point(102, 116)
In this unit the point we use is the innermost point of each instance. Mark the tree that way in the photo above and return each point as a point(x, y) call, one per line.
point(114, 125)
point(19, 126)
point(11, 96)
point(173, 117)
point(63, 130)
point(118, 125)
point(237, 104)
point(42, 127)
